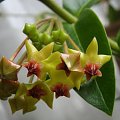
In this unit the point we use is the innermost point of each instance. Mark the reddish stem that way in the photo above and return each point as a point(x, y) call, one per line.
point(18, 50)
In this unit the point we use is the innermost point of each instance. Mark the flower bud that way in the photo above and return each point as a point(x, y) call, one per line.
point(45, 38)
point(59, 36)
point(31, 31)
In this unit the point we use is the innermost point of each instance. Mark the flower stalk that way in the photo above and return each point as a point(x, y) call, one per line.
point(74, 44)
point(22, 58)
point(18, 49)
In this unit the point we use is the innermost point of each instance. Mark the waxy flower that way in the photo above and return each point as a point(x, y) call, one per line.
point(72, 67)
point(29, 94)
point(65, 73)
point(59, 82)
point(8, 78)
point(35, 58)
point(70, 62)
point(91, 61)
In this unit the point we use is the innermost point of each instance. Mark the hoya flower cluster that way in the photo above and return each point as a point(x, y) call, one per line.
point(57, 70)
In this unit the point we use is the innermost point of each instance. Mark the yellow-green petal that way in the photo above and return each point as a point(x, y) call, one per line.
point(77, 78)
point(16, 104)
point(59, 76)
point(46, 51)
point(92, 48)
point(52, 61)
point(30, 50)
point(104, 59)
point(9, 69)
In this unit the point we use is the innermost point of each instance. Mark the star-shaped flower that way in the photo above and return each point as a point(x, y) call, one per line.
point(72, 67)
point(29, 94)
point(91, 61)
point(70, 62)
point(8, 78)
point(59, 83)
point(58, 79)
point(35, 58)
point(91, 55)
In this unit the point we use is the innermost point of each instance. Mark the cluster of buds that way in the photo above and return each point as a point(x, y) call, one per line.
point(39, 40)
point(56, 72)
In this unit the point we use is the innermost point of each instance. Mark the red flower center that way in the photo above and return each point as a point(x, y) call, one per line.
point(92, 70)
point(33, 68)
point(36, 92)
point(61, 90)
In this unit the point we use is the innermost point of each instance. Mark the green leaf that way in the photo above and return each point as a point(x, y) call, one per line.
point(76, 6)
point(96, 98)
point(101, 92)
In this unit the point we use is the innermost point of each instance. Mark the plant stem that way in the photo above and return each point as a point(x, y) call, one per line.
point(18, 50)
point(50, 26)
point(65, 47)
point(22, 58)
point(41, 22)
point(60, 11)
point(74, 44)
point(114, 45)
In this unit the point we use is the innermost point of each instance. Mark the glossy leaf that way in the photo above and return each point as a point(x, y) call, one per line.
point(91, 93)
point(104, 86)
point(76, 6)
